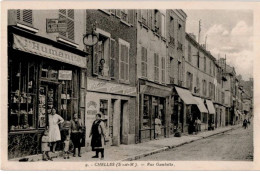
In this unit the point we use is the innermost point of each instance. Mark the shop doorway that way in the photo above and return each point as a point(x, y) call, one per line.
point(123, 115)
point(111, 118)
point(48, 99)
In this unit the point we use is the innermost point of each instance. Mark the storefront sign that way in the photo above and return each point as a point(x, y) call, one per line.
point(65, 75)
point(48, 51)
point(99, 86)
point(56, 25)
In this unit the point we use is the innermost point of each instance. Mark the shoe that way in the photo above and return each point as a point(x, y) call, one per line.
point(74, 155)
point(44, 159)
point(79, 155)
point(50, 159)
point(64, 157)
point(95, 156)
point(68, 157)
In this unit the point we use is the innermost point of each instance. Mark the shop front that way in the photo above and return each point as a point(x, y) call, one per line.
point(41, 77)
point(183, 101)
point(153, 101)
point(116, 103)
point(212, 113)
point(201, 112)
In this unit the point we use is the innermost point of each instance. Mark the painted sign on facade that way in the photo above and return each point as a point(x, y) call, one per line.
point(65, 75)
point(56, 25)
point(102, 86)
point(48, 51)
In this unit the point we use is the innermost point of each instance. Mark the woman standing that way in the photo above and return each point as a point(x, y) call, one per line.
point(158, 124)
point(98, 136)
point(54, 131)
point(76, 134)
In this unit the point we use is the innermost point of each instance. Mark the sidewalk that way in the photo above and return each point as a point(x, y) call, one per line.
point(137, 151)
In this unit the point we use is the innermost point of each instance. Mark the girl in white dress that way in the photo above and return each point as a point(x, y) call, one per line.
point(54, 131)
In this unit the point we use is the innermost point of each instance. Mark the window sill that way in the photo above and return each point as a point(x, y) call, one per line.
point(124, 82)
point(103, 77)
point(60, 39)
point(105, 11)
point(124, 22)
point(28, 28)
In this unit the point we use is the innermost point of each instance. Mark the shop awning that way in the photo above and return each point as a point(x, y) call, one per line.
point(155, 90)
point(210, 107)
point(201, 105)
point(186, 96)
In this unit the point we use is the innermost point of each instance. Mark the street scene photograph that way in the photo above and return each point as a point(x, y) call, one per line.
point(130, 85)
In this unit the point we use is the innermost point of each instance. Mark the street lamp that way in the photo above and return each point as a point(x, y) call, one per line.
point(91, 39)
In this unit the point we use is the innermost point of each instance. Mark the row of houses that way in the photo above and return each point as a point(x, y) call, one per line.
point(144, 65)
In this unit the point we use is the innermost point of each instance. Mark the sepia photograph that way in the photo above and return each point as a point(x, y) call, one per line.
point(129, 85)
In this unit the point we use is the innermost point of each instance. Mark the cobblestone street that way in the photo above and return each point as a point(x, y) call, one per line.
point(234, 145)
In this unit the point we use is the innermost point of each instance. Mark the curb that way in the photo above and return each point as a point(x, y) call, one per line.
point(136, 157)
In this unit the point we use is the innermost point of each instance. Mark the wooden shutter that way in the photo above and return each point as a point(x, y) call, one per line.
point(18, 15)
point(150, 18)
point(27, 16)
point(160, 22)
point(112, 58)
point(153, 19)
point(118, 12)
point(191, 82)
point(122, 64)
point(126, 63)
point(131, 16)
point(96, 58)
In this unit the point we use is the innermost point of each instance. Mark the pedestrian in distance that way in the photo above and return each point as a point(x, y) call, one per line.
point(76, 131)
point(45, 146)
point(54, 131)
point(66, 145)
point(158, 123)
point(245, 123)
point(98, 136)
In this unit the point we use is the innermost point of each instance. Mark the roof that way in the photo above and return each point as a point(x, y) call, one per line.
point(186, 96)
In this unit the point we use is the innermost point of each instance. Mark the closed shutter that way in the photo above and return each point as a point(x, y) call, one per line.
point(163, 69)
point(153, 19)
point(18, 14)
point(122, 64)
point(126, 63)
point(156, 68)
point(96, 58)
point(150, 18)
point(118, 13)
point(160, 22)
point(131, 16)
point(112, 58)
point(25, 16)
point(144, 62)
point(69, 16)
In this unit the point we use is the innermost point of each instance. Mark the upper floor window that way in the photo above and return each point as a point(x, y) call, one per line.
point(204, 85)
point(189, 52)
point(198, 59)
point(163, 69)
point(68, 14)
point(210, 68)
point(156, 67)
point(124, 60)
point(189, 81)
point(125, 15)
point(205, 64)
point(163, 25)
point(25, 16)
point(157, 21)
point(197, 85)
point(144, 62)
point(144, 14)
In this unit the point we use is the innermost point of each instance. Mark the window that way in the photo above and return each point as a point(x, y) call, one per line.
point(210, 68)
point(69, 16)
point(25, 16)
point(197, 85)
point(205, 65)
point(144, 62)
point(163, 70)
point(124, 60)
point(210, 90)
point(157, 22)
point(163, 25)
point(189, 53)
point(198, 59)
point(144, 14)
point(156, 67)
point(101, 56)
point(204, 85)
point(189, 81)
point(124, 15)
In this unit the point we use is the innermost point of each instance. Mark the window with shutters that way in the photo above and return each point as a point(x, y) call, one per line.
point(197, 85)
point(205, 65)
point(189, 80)
point(124, 60)
point(163, 69)
point(204, 86)
point(118, 13)
point(210, 67)
point(163, 26)
point(157, 22)
point(112, 58)
point(124, 15)
point(189, 53)
point(156, 67)
point(144, 62)
point(25, 17)
point(68, 14)
point(101, 57)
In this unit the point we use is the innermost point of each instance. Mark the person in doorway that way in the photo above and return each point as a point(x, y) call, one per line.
point(53, 127)
point(76, 134)
point(98, 135)
point(158, 123)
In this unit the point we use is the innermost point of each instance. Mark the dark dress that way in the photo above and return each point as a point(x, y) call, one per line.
point(97, 132)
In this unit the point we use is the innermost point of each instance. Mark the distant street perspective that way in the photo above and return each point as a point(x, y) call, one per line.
point(234, 145)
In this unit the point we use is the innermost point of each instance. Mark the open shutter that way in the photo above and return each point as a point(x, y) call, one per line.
point(112, 58)
point(126, 63)
point(96, 58)
point(122, 64)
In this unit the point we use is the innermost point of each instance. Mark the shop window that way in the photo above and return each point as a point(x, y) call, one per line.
point(25, 16)
point(101, 56)
point(146, 119)
point(22, 93)
point(156, 67)
point(124, 61)
point(68, 15)
point(144, 62)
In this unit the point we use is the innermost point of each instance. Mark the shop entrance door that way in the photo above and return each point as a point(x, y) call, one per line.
point(123, 115)
point(48, 99)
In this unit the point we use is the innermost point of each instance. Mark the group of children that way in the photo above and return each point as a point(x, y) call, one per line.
point(46, 146)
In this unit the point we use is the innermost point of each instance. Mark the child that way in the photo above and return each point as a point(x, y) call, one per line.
point(66, 147)
point(45, 146)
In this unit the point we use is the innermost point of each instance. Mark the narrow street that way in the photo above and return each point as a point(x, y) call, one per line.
point(235, 145)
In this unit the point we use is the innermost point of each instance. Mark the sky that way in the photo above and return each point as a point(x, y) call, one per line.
point(229, 32)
